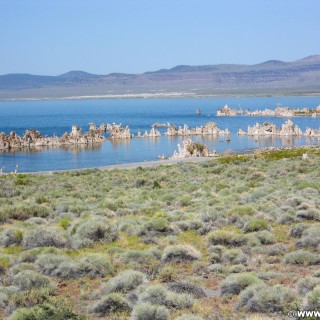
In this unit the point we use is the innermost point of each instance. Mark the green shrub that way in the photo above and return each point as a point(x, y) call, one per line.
point(28, 279)
point(235, 283)
point(307, 284)
point(147, 311)
point(310, 237)
point(189, 317)
point(46, 311)
point(218, 268)
point(262, 298)
point(305, 258)
point(49, 263)
point(180, 253)
point(94, 230)
point(12, 236)
point(179, 300)
point(20, 267)
point(241, 211)
point(42, 237)
point(111, 304)
point(265, 237)
point(156, 294)
point(155, 224)
point(94, 265)
point(188, 288)
point(313, 299)
point(140, 256)
point(64, 223)
point(226, 238)
point(256, 225)
point(298, 230)
point(125, 281)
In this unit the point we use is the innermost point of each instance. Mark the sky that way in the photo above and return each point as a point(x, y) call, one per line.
point(134, 36)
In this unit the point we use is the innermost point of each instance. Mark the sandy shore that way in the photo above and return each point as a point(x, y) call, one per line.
point(132, 165)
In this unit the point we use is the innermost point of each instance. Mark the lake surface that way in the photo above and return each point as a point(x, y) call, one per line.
point(57, 116)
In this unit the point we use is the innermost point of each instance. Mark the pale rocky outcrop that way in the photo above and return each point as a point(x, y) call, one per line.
point(154, 133)
point(210, 128)
point(33, 138)
point(192, 149)
point(118, 131)
point(227, 111)
point(288, 128)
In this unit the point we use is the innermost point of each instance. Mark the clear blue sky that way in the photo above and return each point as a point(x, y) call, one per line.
point(102, 36)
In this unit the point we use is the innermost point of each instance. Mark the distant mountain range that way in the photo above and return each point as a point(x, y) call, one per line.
point(268, 78)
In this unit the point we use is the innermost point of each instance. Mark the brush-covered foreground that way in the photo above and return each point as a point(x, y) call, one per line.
point(233, 238)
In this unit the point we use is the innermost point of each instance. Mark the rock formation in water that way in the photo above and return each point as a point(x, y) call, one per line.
point(33, 138)
point(211, 128)
point(118, 131)
point(226, 111)
point(192, 149)
point(288, 128)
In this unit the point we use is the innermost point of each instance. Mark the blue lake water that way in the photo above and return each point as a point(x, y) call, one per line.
point(57, 116)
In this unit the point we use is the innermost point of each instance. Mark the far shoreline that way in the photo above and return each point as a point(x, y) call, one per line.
point(170, 95)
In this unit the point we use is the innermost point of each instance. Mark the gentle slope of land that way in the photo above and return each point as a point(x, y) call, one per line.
point(231, 238)
point(267, 78)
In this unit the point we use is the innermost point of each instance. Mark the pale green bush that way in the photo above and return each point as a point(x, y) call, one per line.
point(28, 279)
point(147, 311)
point(110, 304)
point(42, 237)
point(125, 281)
point(235, 283)
point(180, 253)
point(302, 258)
point(97, 229)
point(313, 299)
point(264, 299)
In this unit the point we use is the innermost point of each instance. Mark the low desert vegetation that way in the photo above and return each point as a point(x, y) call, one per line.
point(233, 238)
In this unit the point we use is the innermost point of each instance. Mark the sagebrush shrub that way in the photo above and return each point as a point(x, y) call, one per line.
point(264, 299)
point(313, 299)
point(111, 303)
point(125, 281)
point(256, 225)
point(226, 238)
point(189, 288)
point(180, 253)
point(12, 236)
point(235, 283)
point(305, 258)
point(28, 279)
point(148, 311)
point(310, 237)
point(42, 237)
point(189, 317)
point(94, 230)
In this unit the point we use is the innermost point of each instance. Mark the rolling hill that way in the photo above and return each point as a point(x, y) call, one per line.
point(272, 77)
